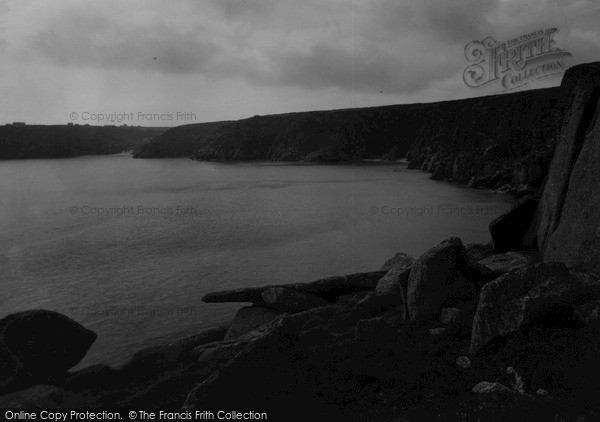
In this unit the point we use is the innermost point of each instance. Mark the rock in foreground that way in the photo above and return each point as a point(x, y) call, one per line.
point(45, 342)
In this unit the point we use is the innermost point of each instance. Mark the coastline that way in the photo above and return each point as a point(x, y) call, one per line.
point(472, 329)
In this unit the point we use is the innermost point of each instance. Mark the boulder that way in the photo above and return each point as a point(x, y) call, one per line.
point(569, 226)
point(248, 319)
point(287, 300)
point(389, 293)
point(543, 293)
point(502, 263)
point(436, 276)
point(47, 343)
point(508, 230)
point(400, 261)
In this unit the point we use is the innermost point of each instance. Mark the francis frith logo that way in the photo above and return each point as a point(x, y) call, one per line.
point(515, 62)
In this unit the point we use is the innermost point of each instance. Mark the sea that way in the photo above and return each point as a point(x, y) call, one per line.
point(128, 247)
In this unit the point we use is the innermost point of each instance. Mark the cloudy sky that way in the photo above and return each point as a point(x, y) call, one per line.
point(229, 59)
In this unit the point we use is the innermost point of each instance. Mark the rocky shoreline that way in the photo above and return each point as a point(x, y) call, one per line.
point(508, 330)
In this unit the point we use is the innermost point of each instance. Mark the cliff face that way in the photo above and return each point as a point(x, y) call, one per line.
point(517, 121)
point(59, 141)
point(569, 210)
point(498, 142)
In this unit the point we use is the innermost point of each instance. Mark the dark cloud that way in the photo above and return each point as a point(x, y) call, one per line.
point(359, 46)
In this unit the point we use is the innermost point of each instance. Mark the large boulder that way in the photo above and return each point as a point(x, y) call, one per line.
point(390, 292)
point(47, 343)
point(509, 230)
point(287, 300)
point(543, 294)
point(569, 210)
point(438, 275)
point(248, 319)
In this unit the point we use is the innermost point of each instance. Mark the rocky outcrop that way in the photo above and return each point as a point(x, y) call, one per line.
point(569, 212)
point(328, 288)
point(493, 148)
point(352, 360)
point(45, 343)
point(543, 294)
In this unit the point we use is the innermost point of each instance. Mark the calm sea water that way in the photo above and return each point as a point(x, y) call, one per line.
point(128, 247)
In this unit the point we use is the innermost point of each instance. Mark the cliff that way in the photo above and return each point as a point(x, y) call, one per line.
point(521, 122)
point(60, 141)
point(568, 226)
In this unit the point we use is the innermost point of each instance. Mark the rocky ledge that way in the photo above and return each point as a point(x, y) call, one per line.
point(508, 330)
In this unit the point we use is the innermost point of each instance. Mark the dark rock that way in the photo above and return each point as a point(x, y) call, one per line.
point(495, 389)
point(438, 331)
point(439, 172)
point(569, 227)
point(505, 262)
point(508, 230)
point(478, 251)
point(541, 294)
point(12, 374)
point(328, 288)
point(94, 376)
point(494, 152)
point(36, 397)
point(264, 365)
point(248, 319)
point(394, 282)
point(47, 343)
point(588, 312)
point(170, 355)
point(464, 362)
point(436, 276)
point(415, 164)
point(400, 261)
point(287, 300)
point(449, 316)
point(525, 190)
point(219, 353)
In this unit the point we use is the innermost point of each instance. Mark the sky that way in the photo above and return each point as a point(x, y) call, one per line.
point(205, 60)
